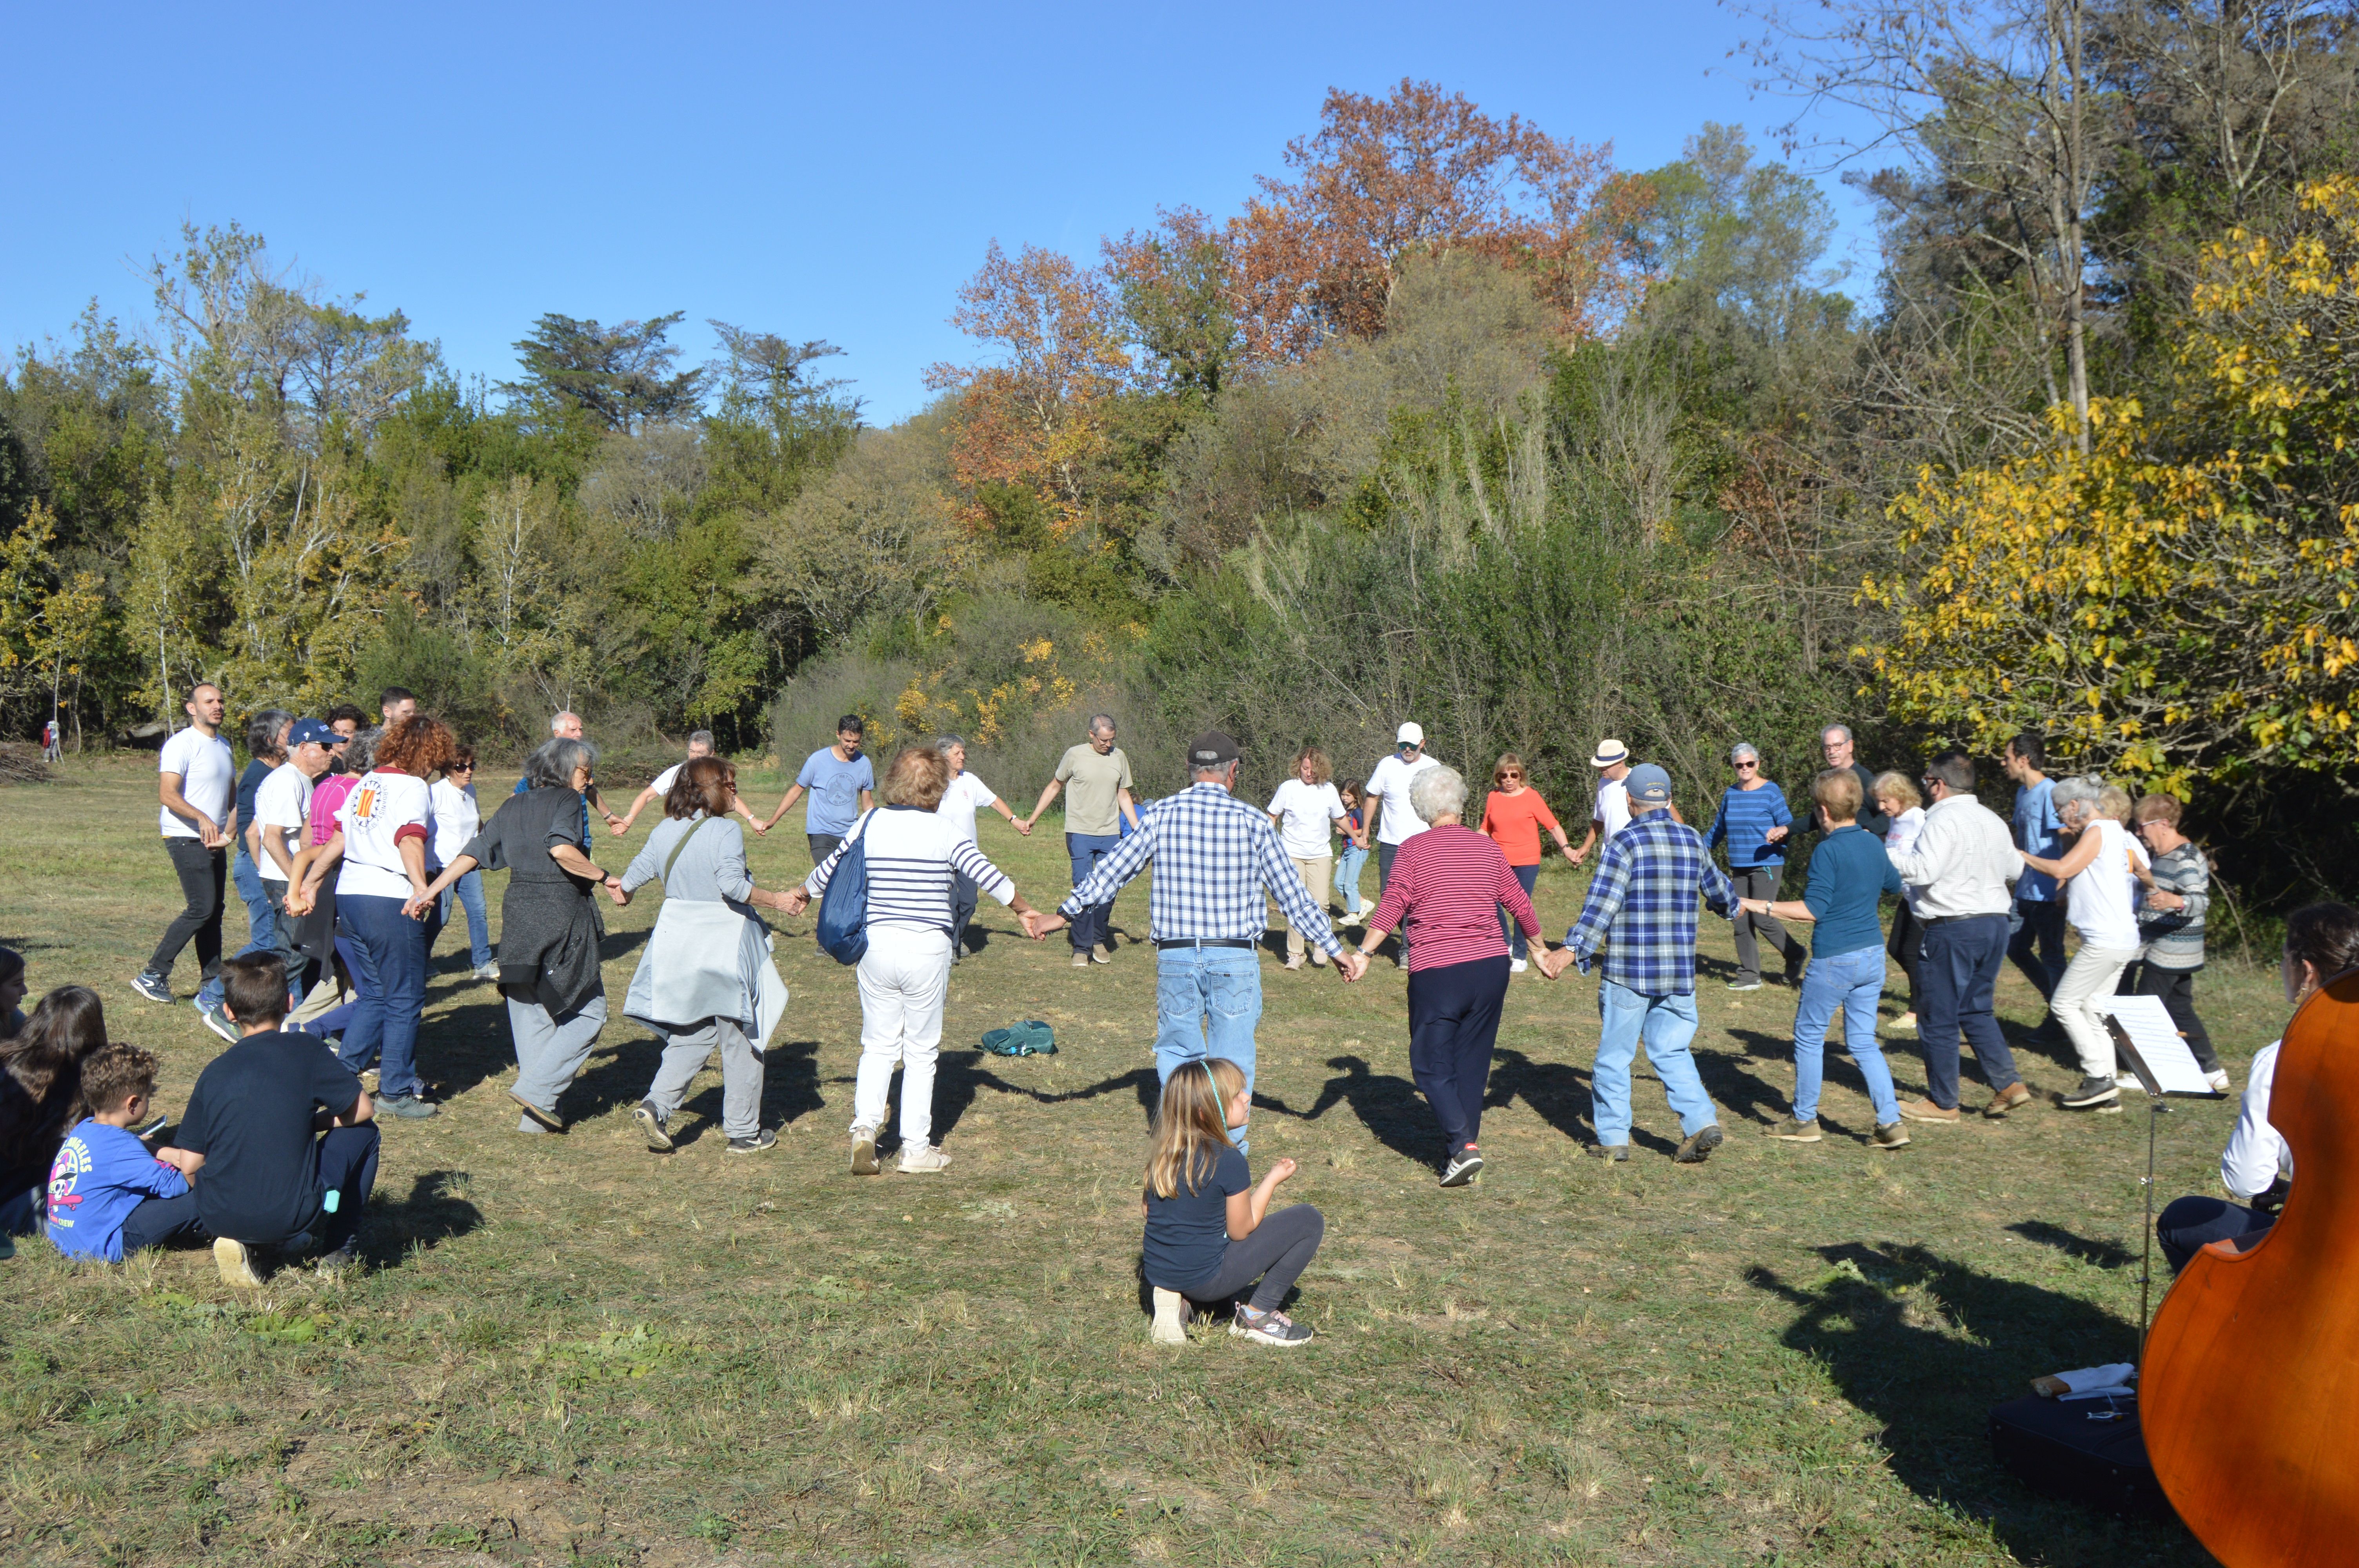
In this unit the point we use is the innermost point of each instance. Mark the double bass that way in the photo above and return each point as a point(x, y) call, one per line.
point(2249, 1398)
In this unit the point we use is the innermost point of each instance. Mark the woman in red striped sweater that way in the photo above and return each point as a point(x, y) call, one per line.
point(1451, 881)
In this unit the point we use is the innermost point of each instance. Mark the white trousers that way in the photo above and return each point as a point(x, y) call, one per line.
point(903, 981)
point(2090, 976)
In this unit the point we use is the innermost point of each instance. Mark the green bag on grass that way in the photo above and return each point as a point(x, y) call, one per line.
point(1030, 1038)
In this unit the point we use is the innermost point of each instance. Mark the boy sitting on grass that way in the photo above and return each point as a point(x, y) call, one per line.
point(281, 1130)
point(110, 1195)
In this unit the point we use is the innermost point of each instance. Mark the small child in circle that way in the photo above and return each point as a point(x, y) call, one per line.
point(1210, 1233)
point(110, 1195)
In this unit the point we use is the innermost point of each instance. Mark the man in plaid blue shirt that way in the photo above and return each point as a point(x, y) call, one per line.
point(1645, 895)
point(1214, 856)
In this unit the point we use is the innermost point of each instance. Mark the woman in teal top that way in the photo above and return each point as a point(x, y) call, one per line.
point(1850, 874)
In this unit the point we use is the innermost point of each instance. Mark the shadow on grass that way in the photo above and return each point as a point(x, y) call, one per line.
point(1387, 1105)
point(1927, 1345)
point(2104, 1254)
point(1558, 1092)
point(467, 1046)
point(432, 1214)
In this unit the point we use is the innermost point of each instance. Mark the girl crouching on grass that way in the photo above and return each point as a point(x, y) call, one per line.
point(1208, 1231)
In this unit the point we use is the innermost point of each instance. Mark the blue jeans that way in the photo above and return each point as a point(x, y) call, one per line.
point(1207, 1000)
point(469, 890)
point(261, 922)
point(1089, 927)
point(1855, 983)
point(1518, 944)
point(1959, 970)
point(390, 951)
point(1665, 1023)
point(1347, 875)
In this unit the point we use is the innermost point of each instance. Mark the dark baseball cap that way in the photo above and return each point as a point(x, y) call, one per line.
point(304, 732)
point(1210, 749)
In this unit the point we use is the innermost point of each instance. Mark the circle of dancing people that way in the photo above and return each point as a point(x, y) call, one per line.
point(349, 846)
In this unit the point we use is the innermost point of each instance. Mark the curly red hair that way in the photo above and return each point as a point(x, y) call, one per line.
point(418, 745)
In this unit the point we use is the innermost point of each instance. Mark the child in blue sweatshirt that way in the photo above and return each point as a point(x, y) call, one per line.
point(109, 1193)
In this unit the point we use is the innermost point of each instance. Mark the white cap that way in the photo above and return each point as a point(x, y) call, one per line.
point(1410, 733)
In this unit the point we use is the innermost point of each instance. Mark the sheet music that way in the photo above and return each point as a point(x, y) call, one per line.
point(2151, 1047)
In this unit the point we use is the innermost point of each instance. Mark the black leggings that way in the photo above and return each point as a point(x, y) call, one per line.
point(1278, 1251)
point(2177, 989)
point(2186, 1225)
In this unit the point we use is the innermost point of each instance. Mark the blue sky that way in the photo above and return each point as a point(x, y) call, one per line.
point(817, 172)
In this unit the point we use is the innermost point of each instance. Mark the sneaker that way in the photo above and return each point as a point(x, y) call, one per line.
point(2128, 1081)
point(1742, 984)
point(1696, 1149)
point(1615, 1153)
point(1097, 957)
point(762, 1143)
point(216, 1020)
point(342, 1261)
point(1517, 965)
point(488, 972)
point(1269, 1328)
point(547, 1119)
point(1463, 1168)
point(1793, 1131)
point(2013, 1097)
point(1081, 959)
point(864, 1151)
point(1926, 1110)
point(1294, 963)
point(236, 1264)
point(2219, 1081)
point(1905, 1020)
point(2092, 1093)
point(409, 1107)
point(154, 987)
point(651, 1127)
point(923, 1157)
point(370, 1079)
point(1889, 1135)
point(1171, 1317)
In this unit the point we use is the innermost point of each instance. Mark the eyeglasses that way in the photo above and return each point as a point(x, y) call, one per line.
point(1748, 763)
point(460, 768)
point(1504, 775)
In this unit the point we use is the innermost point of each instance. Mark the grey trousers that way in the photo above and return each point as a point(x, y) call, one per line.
point(1762, 882)
point(685, 1053)
point(549, 1051)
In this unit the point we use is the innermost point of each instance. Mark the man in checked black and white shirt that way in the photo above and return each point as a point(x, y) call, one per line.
point(1214, 857)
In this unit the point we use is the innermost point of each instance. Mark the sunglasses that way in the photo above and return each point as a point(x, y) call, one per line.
point(1748, 763)
point(1508, 773)
point(460, 768)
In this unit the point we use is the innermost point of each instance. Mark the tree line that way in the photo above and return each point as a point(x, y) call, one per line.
point(1453, 418)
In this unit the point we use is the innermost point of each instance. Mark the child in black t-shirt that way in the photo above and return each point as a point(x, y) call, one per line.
point(1208, 1231)
point(271, 1182)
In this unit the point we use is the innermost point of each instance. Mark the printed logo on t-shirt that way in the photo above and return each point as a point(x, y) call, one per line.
point(363, 804)
point(74, 1163)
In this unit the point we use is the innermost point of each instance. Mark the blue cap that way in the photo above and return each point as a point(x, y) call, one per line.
point(306, 729)
point(1648, 785)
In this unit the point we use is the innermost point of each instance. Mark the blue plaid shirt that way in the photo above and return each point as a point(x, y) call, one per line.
point(1645, 894)
point(1213, 855)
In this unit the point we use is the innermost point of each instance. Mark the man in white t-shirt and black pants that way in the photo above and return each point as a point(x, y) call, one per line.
point(282, 806)
point(1389, 812)
point(966, 796)
point(198, 787)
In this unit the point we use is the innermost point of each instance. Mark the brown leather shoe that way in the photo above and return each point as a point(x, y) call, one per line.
point(2008, 1099)
point(1926, 1110)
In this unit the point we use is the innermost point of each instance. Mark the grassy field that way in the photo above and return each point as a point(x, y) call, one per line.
point(570, 1349)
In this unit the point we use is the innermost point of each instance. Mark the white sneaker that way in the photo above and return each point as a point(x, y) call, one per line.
point(1517, 965)
point(488, 972)
point(2218, 1080)
point(864, 1151)
point(235, 1267)
point(2129, 1081)
point(920, 1157)
point(1170, 1318)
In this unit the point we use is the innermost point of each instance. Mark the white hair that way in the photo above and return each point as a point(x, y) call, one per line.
point(2089, 791)
point(1437, 792)
point(557, 722)
point(1842, 730)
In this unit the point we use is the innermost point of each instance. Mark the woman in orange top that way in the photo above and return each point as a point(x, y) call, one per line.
point(1512, 816)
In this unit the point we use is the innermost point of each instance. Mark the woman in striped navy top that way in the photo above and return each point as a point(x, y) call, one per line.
point(915, 858)
point(1452, 881)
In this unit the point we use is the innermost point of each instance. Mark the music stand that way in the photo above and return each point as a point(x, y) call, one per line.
point(2157, 1057)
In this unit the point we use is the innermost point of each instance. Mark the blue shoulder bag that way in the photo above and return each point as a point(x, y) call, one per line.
point(844, 907)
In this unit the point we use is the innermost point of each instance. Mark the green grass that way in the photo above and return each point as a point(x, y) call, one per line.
point(570, 1349)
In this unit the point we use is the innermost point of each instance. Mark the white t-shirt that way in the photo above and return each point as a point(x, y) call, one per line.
point(1400, 823)
point(282, 802)
point(208, 780)
point(1613, 806)
point(384, 808)
point(664, 780)
point(457, 818)
point(2098, 898)
point(1305, 812)
point(966, 796)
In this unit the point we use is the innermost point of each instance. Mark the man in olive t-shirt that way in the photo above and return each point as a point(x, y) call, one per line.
point(1099, 776)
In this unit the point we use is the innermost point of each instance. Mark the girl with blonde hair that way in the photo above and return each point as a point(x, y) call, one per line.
point(1209, 1230)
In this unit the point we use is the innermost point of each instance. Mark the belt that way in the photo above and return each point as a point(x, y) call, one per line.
point(1947, 919)
point(1161, 942)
